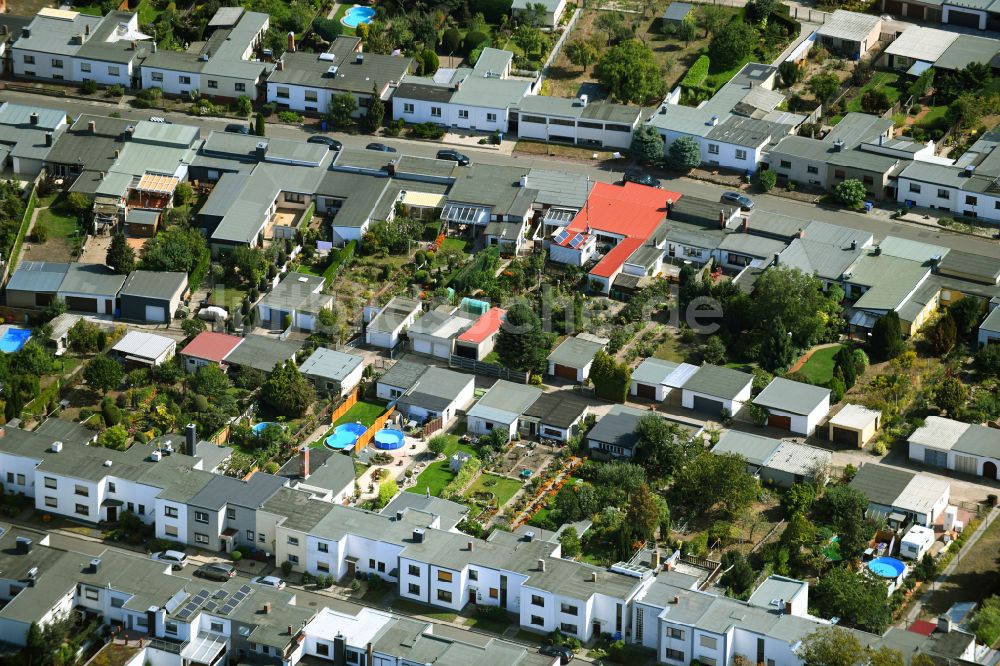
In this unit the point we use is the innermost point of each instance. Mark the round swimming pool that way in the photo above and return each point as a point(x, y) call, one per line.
point(345, 435)
point(357, 15)
point(388, 439)
point(886, 567)
point(261, 427)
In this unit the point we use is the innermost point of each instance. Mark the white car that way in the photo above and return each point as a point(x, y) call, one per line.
point(269, 581)
point(177, 559)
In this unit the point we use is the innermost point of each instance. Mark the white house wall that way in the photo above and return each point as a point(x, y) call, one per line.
point(487, 119)
point(986, 207)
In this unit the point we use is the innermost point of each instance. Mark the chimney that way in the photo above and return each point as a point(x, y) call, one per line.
point(22, 545)
point(777, 258)
point(714, 121)
point(399, 516)
point(654, 560)
point(304, 462)
point(675, 600)
point(418, 535)
point(670, 206)
point(529, 536)
point(56, 447)
point(788, 607)
point(280, 66)
point(746, 224)
point(359, 58)
point(854, 245)
point(524, 180)
point(878, 250)
point(541, 564)
point(472, 546)
point(291, 41)
point(33, 118)
point(593, 576)
point(190, 439)
point(95, 565)
point(838, 145)
point(289, 630)
point(267, 608)
point(4, 29)
point(26, 33)
point(722, 218)
point(92, 126)
point(48, 138)
point(261, 150)
point(86, 29)
point(118, 153)
point(584, 99)
point(802, 233)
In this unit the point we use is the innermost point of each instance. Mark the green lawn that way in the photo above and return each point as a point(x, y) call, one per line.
point(434, 478)
point(365, 412)
point(455, 445)
point(415, 608)
point(883, 81)
point(670, 351)
point(819, 368)
point(488, 624)
point(501, 486)
point(57, 218)
point(454, 244)
point(935, 118)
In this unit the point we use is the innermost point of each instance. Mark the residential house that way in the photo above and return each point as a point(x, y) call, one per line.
point(553, 10)
point(501, 408)
point(87, 149)
point(480, 98)
point(208, 348)
point(850, 34)
point(881, 282)
point(573, 357)
point(696, 228)
point(303, 81)
point(398, 379)
point(487, 193)
point(295, 303)
point(435, 332)
point(774, 461)
point(989, 329)
point(712, 389)
point(152, 297)
point(741, 250)
point(556, 415)
point(967, 448)
point(477, 341)
point(437, 393)
point(322, 472)
point(577, 121)
point(446, 514)
point(854, 425)
point(825, 250)
point(355, 200)
point(386, 328)
point(28, 135)
point(91, 288)
point(140, 348)
point(659, 380)
point(903, 496)
point(614, 434)
point(333, 372)
point(919, 48)
point(794, 406)
point(221, 516)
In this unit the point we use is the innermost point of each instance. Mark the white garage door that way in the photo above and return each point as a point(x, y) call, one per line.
point(966, 464)
point(422, 346)
point(442, 351)
point(156, 313)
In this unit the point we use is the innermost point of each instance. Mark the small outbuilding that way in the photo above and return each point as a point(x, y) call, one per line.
point(712, 389)
point(659, 380)
point(854, 425)
point(989, 330)
point(851, 34)
point(333, 372)
point(142, 348)
point(794, 406)
point(573, 357)
point(152, 297)
point(916, 542)
point(676, 12)
point(387, 326)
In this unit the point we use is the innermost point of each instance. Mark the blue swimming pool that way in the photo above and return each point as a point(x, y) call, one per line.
point(389, 439)
point(345, 435)
point(261, 427)
point(357, 15)
point(13, 339)
point(886, 567)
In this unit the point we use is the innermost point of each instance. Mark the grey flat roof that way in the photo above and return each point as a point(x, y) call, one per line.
point(577, 351)
point(450, 513)
point(676, 11)
point(881, 484)
point(394, 314)
point(557, 408)
point(790, 396)
point(507, 399)
point(249, 493)
point(65, 431)
point(309, 70)
point(144, 345)
point(403, 374)
point(755, 449)
point(618, 426)
point(436, 389)
point(300, 510)
point(328, 469)
point(263, 352)
point(798, 459)
point(718, 382)
point(855, 417)
point(298, 291)
point(848, 26)
point(330, 364)
point(966, 50)
point(38, 276)
point(980, 441)
point(96, 279)
point(154, 284)
point(749, 244)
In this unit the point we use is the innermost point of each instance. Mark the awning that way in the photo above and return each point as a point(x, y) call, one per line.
point(112, 502)
point(465, 214)
point(863, 319)
point(558, 216)
point(919, 67)
point(423, 200)
point(157, 183)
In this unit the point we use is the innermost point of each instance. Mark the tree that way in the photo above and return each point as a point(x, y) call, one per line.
point(521, 345)
point(857, 598)
point(121, 256)
point(83, 337)
point(800, 498)
point(642, 513)
point(630, 73)
point(342, 109)
point(193, 327)
point(430, 61)
point(739, 576)
point(582, 53)
point(684, 153)
point(328, 29)
point(210, 381)
point(386, 491)
point(886, 656)
point(986, 622)
point(845, 362)
point(831, 646)
point(78, 203)
point(451, 40)
point(886, 340)
point(988, 360)
point(950, 395)
point(611, 379)
point(376, 109)
point(438, 444)
point(942, 334)
point(663, 447)
point(529, 39)
point(731, 45)
point(712, 18)
point(103, 373)
point(790, 73)
point(824, 87)
point(768, 179)
point(287, 391)
point(850, 192)
point(709, 480)
point(570, 542)
point(115, 437)
point(259, 126)
point(776, 350)
point(923, 83)
point(966, 312)
point(759, 10)
point(714, 350)
point(610, 23)
point(875, 101)
point(647, 144)
point(177, 248)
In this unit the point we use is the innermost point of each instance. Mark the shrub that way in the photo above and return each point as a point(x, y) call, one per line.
point(267, 110)
point(474, 39)
point(768, 179)
point(426, 131)
point(697, 73)
point(289, 117)
point(286, 568)
point(236, 555)
point(88, 87)
point(40, 232)
point(116, 90)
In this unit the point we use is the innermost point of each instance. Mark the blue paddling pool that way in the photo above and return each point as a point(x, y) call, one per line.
point(886, 567)
point(13, 339)
point(388, 439)
point(357, 15)
point(261, 427)
point(345, 435)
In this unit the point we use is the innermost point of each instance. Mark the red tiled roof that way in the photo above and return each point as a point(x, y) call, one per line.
point(484, 327)
point(632, 211)
point(614, 259)
point(212, 346)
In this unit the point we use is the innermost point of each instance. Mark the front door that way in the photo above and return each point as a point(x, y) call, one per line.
point(990, 470)
point(472, 596)
point(351, 570)
point(597, 628)
point(112, 514)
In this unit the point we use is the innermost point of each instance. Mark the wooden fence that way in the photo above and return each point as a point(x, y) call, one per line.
point(432, 426)
point(342, 408)
point(366, 438)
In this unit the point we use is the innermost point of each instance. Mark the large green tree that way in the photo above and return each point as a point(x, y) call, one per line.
point(582, 53)
point(797, 301)
point(857, 598)
point(103, 373)
point(342, 109)
point(287, 391)
point(647, 144)
point(831, 646)
point(684, 153)
point(521, 344)
point(732, 44)
point(376, 110)
point(886, 341)
point(850, 192)
point(663, 447)
point(121, 256)
point(611, 378)
point(176, 248)
point(715, 481)
point(630, 73)
point(776, 350)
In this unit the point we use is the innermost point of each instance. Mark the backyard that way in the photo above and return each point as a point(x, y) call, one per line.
point(362, 412)
point(60, 228)
point(500, 486)
point(974, 578)
point(433, 479)
point(818, 368)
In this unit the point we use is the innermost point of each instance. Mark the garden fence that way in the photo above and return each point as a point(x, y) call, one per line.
point(487, 369)
point(555, 49)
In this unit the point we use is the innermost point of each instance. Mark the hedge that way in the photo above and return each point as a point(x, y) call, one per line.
point(468, 471)
point(697, 73)
point(341, 258)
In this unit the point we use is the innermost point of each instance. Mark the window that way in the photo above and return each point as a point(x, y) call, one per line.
point(414, 589)
point(29, 60)
point(707, 642)
point(82, 510)
point(943, 193)
point(10, 477)
point(568, 609)
point(463, 114)
point(281, 92)
point(251, 535)
point(785, 164)
point(494, 593)
point(867, 180)
point(812, 169)
point(444, 576)
point(473, 574)
point(200, 538)
point(435, 111)
point(491, 117)
point(50, 482)
point(996, 205)
point(713, 149)
point(157, 76)
point(381, 567)
point(674, 655)
point(371, 564)
point(407, 108)
point(741, 154)
point(311, 96)
point(213, 84)
point(142, 509)
point(295, 197)
point(82, 491)
point(444, 595)
point(323, 547)
point(915, 188)
point(707, 661)
point(537, 621)
point(676, 633)
point(184, 80)
point(240, 87)
point(293, 541)
point(201, 517)
point(111, 487)
point(323, 566)
point(261, 538)
point(170, 511)
point(57, 64)
point(117, 602)
point(52, 502)
point(970, 200)
point(230, 514)
point(91, 593)
point(567, 628)
point(171, 627)
point(216, 627)
point(170, 530)
point(322, 649)
point(294, 559)
point(839, 174)
point(536, 600)
point(413, 570)
point(112, 71)
point(638, 624)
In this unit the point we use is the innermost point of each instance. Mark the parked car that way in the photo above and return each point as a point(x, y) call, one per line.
point(640, 177)
point(454, 156)
point(238, 128)
point(564, 653)
point(735, 198)
point(219, 571)
point(269, 581)
point(177, 559)
point(380, 147)
point(328, 141)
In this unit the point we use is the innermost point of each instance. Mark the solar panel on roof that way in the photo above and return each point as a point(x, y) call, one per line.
point(219, 594)
point(246, 589)
point(211, 606)
point(561, 236)
point(239, 596)
point(575, 243)
point(184, 614)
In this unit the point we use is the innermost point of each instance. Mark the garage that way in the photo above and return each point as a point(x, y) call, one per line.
point(156, 313)
point(564, 371)
point(845, 436)
point(894, 7)
point(778, 421)
point(708, 405)
point(647, 391)
point(442, 350)
point(422, 346)
point(966, 464)
point(964, 19)
point(80, 304)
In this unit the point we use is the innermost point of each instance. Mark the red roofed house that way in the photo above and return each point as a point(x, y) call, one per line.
point(477, 341)
point(208, 347)
point(624, 227)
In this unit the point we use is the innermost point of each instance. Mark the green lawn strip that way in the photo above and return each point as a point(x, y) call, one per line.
point(60, 223)
point(433, 479)
point(454, 244)
point(365, 412)
point(500, 486)
point(414, 608)
point(880, 81)
point(488, 624)
point(935, 117)
point(819, 368)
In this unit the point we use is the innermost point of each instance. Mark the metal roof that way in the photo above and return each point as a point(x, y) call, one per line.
point(95, 279)
point(755, 449)
point(798, 459)
point(154, 284)
point(577, 351)
point(330, 364)
point(849, 26)
point(677, 11)
point(718, 382)
point(920, 43)
point(38, 276)
point(144, 345)
point(855, 417)
point(263, 352)
point(505, 401)
point(790, 396)
point(881, 484)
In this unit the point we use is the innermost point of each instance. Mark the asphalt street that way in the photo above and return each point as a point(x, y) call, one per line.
point(877, 224)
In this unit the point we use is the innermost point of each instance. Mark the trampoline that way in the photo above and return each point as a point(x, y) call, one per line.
point(345, 435)
point(389, 439)
point(886, 567)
